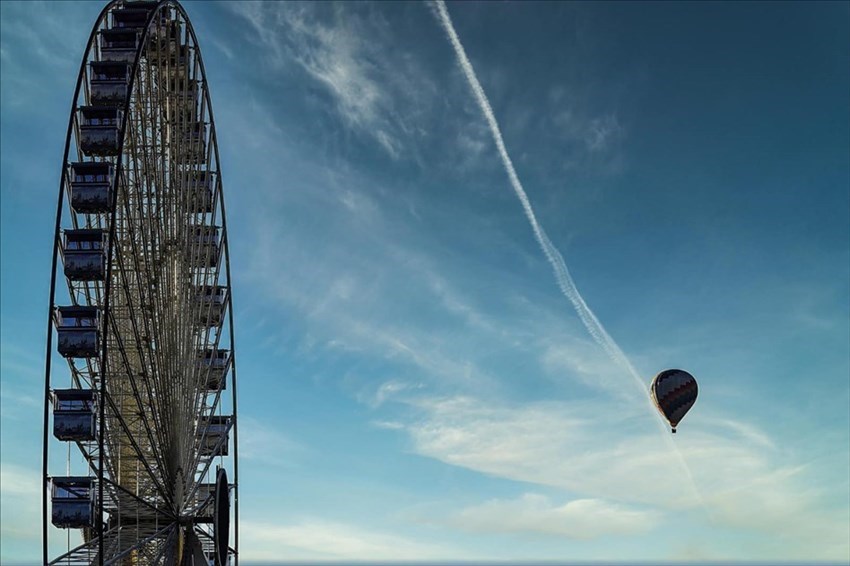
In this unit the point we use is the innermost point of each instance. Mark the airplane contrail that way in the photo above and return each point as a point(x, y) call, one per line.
point(556, 260)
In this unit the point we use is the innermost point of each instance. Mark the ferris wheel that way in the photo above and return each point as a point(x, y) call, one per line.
point(140, 458)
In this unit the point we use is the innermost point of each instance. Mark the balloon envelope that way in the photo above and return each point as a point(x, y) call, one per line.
point(674, 392)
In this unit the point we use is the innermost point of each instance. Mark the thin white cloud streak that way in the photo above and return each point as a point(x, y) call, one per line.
point(556, 260)
point(18, 480)
point(346, 304)
point(266, 444)
point(388, 390)
point(747, 483)
point(40, 35)
point(351, 303)
point(20, 503)
point(314, 539)
point(345, 56)
point(581, 519)
point(577, 446)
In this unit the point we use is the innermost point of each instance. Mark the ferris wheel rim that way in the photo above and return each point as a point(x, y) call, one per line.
point(115, 183)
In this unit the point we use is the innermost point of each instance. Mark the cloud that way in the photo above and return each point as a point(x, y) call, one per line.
point(223, 48)
point(344, 50)
point(18, 407)
point(263, 443)
point(601, 132)
point(20, 502)
point(534, 513)
point(605, 451)
point(27, 23)
point(20, 481)
point(373, 287)
point(326, 540)
point(35, 35)
point(553, 255)
point(587, 133)
point(23, 383)
point(578, 359)
point(348, 298)
point(547, 443)
point(337, 56)
point(389, 390)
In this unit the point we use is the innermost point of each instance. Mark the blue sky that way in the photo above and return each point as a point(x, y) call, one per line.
point(413, 383)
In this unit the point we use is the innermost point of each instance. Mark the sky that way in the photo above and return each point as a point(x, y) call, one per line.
point(413, 382)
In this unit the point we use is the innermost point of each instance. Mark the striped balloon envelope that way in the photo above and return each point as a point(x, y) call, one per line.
point(674, 392)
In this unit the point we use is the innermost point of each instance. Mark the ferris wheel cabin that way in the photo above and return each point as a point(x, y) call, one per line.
point(204, 246)
point(134, 17)
point(210, 302)
point(177, 56)
point(215, 437)
point(119, 44)
point(205, 498)
point(213, 363)
point(73, 502)
point(199, 195)
point(108, 83)
point(183, 96)
point(193, 146)
point(91, 184)
point(74, 414)
point(99, 130)
point(84, 255)
point(78, 328)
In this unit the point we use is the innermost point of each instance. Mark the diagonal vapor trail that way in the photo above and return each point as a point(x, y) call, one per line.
point(556, 260)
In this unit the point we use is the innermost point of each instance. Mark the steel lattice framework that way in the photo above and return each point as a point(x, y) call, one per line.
point(144, 320)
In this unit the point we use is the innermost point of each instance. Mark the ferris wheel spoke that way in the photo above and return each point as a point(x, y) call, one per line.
point(88, 450)
point(129, 375)
point(222, 430)
point(140, 456)
point(138, 541)
point(151, 416)
point(167, 551)
point(142, 344)
point(84, 554)
point(119, 543)
point(131, 504)
point(206, 539)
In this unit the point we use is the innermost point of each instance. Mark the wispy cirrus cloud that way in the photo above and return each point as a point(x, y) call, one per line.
point(262, 443)
point(23, 382)
point(553, 255)
point(343, 49)
point(339, 57)
point(535, 513)
point(589, 133)
point(605, 451)
point(36, 34)
point(365, 287)
point(16, 360)
point(20, 494)
point(316, 539)
point(371, 283)
point(389, 390)
point(348, 296)
point(360, 278)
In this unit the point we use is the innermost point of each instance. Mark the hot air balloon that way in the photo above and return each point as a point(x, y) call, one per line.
point(674, 392)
